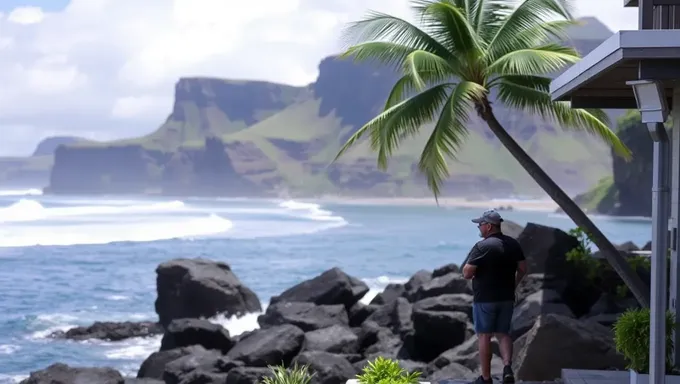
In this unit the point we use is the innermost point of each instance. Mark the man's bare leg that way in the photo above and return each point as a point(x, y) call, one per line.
point(484, 340)
point(505, 343)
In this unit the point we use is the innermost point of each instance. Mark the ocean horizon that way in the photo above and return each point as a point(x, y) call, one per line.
point(72, 260)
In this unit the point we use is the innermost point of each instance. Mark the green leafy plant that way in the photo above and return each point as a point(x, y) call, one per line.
point(581, 257)
point(294, 375)
point(631, 335)
point(386, 371)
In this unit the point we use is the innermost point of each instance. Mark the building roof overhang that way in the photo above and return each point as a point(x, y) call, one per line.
point(599, 79)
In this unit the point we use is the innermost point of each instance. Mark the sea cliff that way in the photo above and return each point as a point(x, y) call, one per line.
point(267, 139)
point(628, 192)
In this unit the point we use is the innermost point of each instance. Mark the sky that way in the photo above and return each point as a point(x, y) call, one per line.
point(106, 69)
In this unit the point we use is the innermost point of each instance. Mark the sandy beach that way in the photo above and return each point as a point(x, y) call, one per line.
point(508, 204)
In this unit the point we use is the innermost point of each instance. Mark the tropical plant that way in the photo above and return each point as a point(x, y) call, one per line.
point(463, 50)
point(597, 272)
point(386, 371)
point(582, 254)
point(631, 335)
point(294, 375)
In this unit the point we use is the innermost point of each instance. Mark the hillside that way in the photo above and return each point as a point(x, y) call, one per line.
point(29, 172)
point(628, 192)
point(34, 170)
point(267, 138)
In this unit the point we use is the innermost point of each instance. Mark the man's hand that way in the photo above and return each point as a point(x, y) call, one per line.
point(469, 271)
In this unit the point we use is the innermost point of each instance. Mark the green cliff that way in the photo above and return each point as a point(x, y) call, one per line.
point(256, 138)
point(628, 192)
point(282, 139)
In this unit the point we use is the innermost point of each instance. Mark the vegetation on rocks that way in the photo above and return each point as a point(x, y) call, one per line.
point(599, 273)
point(293, 375)
point(386, 371)
point(601, 198)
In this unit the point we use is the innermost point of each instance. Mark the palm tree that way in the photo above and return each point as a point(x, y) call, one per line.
point(462, 51)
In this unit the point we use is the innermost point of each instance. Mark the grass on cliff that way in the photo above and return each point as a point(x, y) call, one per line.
point(9, 165)
point(578, 159)
point(297, 132)
point(600, 198)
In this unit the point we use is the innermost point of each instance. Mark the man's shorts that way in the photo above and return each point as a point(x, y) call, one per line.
point(493, 317)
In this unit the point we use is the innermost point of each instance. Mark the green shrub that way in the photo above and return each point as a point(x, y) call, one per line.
point(599, 273)
point(294, 375)
point(581, 255)
point(631, 334)
point(386, 371)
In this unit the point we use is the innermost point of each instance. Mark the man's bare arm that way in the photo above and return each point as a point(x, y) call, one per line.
point(469, 271)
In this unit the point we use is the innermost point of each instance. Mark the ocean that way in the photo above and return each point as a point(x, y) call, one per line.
point(67, 261)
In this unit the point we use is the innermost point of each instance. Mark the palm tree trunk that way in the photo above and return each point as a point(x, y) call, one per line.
point(617, 261)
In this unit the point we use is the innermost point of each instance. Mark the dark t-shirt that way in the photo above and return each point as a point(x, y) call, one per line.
point(496, 259)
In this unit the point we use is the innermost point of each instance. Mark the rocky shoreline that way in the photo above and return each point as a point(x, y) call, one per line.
point(561, 321)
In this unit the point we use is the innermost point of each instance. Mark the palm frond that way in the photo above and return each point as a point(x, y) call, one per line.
point(549, 31)
point(398, 122)
point(528, 15)
point(530, 93)
point(541, 60)
point(378, 26)
point(448, 24)
point(424, 67)
point(401, 90)
point(448, 134)
point(387, 53)
point(486, 16)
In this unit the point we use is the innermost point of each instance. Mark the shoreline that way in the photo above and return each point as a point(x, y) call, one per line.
point(448, 202)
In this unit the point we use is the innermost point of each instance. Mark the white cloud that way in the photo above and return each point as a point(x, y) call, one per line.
point(53, 75)
point(130, 107)
point(26, 15)
point(107, 68)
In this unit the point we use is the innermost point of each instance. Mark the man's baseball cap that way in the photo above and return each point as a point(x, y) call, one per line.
point(490, 216)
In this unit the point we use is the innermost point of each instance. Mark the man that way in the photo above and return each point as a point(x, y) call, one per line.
point(496, 265)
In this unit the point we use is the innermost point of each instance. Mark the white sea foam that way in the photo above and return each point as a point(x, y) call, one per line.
point(311, 211)
point(238, 325)
point(28, 222)
point(117, 297)
point(8, 349)
point(11, 379)
point(292, 208)
point(377, 285)
point(42, 326)
point(137, 348)
point(104, 233)
point(32, 210)
point(21, 192)
point(47, 324)
point(140, 347)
